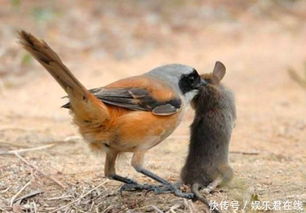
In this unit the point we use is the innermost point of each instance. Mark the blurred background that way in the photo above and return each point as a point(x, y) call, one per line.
point(261, 42)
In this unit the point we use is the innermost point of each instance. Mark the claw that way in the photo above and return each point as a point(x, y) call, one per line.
point(131, 187)
point(189, 196)
point(157, 189)
point(186, 195)
point(139, 187)
point(175, 190)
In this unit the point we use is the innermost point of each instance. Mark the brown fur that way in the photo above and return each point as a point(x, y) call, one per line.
point(211, 131)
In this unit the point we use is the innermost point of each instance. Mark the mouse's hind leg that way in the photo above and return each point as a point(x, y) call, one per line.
point(213, 185)
point(225, 175)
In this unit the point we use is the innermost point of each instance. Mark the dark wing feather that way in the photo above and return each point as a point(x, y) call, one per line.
point(135, 99)
point(166, 109)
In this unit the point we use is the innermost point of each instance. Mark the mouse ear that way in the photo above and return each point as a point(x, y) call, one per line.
point(219, 71)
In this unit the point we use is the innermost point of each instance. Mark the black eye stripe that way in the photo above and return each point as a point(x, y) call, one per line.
point(189, 81)
point(192, 75)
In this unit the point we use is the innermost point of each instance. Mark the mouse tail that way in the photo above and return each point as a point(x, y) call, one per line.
point(195, 190)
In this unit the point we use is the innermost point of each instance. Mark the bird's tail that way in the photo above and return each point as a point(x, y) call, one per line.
point(84, 105)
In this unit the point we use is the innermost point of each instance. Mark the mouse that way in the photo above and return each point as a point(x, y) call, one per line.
point(207, 163)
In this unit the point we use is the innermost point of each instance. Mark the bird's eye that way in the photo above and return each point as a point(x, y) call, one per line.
point(191, 78)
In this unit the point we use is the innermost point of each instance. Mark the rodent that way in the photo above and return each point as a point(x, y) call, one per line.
point(207, 165)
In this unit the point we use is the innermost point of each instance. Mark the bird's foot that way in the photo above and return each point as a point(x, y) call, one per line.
point(141, 187)
point(174, 189)
point(157, 189)
point(179, 193)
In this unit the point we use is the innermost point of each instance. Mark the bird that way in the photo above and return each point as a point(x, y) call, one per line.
point(132, 114)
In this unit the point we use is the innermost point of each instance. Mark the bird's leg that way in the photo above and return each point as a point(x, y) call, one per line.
point(122, 179)
point(137, 162)
point(110, 172)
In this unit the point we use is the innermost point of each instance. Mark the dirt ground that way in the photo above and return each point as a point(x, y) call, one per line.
point(101, 43)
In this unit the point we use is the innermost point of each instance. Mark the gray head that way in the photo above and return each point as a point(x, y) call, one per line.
point(182, 78)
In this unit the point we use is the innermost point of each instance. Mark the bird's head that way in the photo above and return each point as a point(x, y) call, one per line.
point(184, 79)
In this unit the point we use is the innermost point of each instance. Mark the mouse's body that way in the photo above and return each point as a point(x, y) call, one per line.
point(207, 164)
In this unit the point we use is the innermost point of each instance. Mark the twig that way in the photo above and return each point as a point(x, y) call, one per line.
point(173, 208)
point(59, 198)
point(92, 205)
point(41, 172)
point(108, 208)
point(157, 209)
point(87, 193)
point(31, 194)
point(244, 153)
point(12, 152)
point(34, 207)
point(21, 190)
point(189, 205)
point(5, 190)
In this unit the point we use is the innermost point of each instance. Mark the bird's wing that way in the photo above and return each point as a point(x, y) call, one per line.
point(139, 93)
point(136, 99)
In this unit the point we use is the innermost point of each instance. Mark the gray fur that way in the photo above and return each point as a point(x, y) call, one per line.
point(210, 136)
